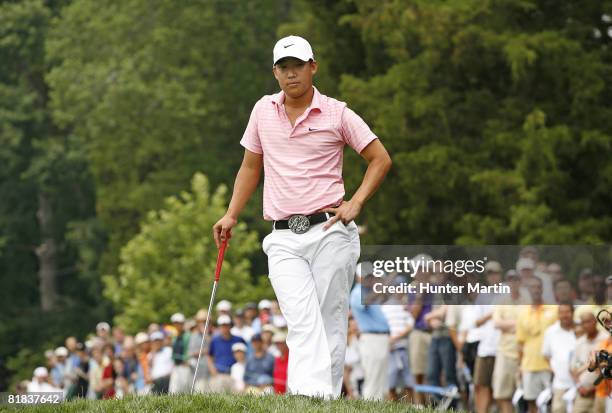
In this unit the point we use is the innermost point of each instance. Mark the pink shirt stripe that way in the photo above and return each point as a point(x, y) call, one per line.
point(303, 164)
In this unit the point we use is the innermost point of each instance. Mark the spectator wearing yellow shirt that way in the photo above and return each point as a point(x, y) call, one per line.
point(531, 325)
point(506, 367)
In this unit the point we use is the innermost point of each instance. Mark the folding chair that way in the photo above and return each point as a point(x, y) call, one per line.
point(447, 394)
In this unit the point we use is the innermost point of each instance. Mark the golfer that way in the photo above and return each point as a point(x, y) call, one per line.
point(298, 136)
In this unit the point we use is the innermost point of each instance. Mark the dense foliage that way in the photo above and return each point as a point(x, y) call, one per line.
point(496, 113)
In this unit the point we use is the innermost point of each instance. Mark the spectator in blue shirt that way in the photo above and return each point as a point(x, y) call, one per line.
point(260, 365)
point(373, 339)
point(220, 356)
point(57, 373)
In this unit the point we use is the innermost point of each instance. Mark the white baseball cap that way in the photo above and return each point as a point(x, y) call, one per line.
point(265, 304)
point(41, 372)
point(239, 347)
point(268, 328)
point(61, 351)
point(224, 305)
point(292, 46)
point(156, 335)
point(525, 264)
point(103, 325)
point(224, 319)
point(177, 318)
point(141, 337)
point(279, 337)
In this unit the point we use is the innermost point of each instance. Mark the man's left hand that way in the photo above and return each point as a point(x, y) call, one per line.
point(346, 212)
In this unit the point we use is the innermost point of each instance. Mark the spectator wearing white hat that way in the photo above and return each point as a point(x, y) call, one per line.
point(161, 363)
point(97, 364)
point(57, 373)
point(103, 331)
point(265, 308)
point(142, 385)
point(240, 328)
point(526, 268)
point(50, 359)
point(180, 380)
point(267, 332)
point(40, 382)
point(195, 342)
point(153, 327)
point(585, 346)
point(558, 345)
point(224, 307)
point(237, 370)
point(220, 356)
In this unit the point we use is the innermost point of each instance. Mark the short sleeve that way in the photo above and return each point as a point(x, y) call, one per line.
point(355, 132)
point(250, 139)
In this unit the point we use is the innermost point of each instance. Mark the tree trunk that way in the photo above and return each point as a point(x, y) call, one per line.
point(46, 253)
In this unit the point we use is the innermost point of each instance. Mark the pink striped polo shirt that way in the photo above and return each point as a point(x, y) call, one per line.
point(303, 163)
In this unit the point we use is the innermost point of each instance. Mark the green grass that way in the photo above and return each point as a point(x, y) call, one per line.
point(219, 403)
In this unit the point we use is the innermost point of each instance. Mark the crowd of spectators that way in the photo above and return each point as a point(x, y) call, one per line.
point(526, 350)
point(523, 351)
point(245, 352)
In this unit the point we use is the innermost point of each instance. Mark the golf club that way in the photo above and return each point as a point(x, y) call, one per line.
point(212, 300)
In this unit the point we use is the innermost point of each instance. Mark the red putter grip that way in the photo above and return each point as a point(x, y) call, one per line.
point(220, 259)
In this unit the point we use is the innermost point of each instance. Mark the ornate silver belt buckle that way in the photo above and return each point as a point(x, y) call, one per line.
point(298, 224)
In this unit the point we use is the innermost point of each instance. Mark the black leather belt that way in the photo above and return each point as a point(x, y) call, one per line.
point(299, 224)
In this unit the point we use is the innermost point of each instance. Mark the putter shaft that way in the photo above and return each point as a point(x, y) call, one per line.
point(220, 256)
point(212, 299)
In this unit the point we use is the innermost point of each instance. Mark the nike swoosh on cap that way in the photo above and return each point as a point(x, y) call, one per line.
point(289, 45)
point(311, 129)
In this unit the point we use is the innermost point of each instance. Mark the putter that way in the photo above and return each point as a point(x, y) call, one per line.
point(212, 300)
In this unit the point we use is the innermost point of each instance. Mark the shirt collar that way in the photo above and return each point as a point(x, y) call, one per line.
point(279, 98)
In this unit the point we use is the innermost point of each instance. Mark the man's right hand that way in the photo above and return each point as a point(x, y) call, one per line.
point(222, 230)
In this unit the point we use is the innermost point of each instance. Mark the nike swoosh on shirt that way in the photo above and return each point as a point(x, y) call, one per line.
point(312, 129)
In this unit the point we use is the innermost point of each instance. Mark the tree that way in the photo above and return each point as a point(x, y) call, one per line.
point(155, 91)
point(496, 117)
point(45, 189)
point(169, 265)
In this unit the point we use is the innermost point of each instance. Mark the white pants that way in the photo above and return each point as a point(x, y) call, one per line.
point(374, 351)
point(180, 380)
point(312, 274)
